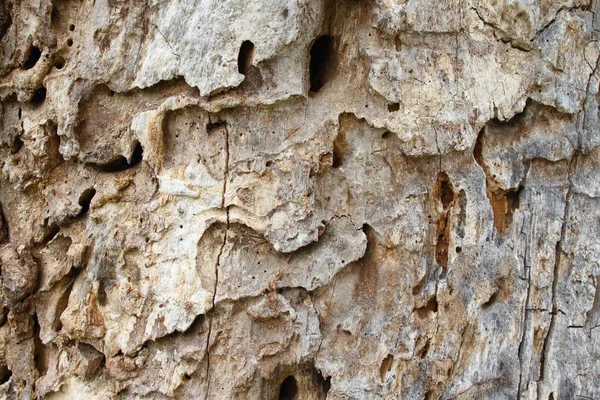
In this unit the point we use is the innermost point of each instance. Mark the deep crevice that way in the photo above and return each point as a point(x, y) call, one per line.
point(33, 56)
point(40, 357)
point(49, 233)
point(321, 383)
point(443, 192)
point(288, 389)
point(85, 199)
point(339, 147)
point(5, 22)
point(17, 144)
point(4, 234)
point(446, 191)
point(321, 62)
point(39, 96)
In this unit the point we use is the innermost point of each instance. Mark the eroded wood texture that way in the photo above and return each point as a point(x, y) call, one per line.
point(299, 199)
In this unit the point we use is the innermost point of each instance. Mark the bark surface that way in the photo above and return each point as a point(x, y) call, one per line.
point(300, 199)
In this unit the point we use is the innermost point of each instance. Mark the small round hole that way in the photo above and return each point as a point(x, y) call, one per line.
point(71, 27)
point(69, 42)
point(59, 63)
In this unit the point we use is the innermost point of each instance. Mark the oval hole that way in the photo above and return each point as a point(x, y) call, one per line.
point(245, 57)
point(32, 58)
point(289, 389)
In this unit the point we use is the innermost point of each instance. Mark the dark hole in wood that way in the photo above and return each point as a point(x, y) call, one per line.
point(32, 58)
point(5, 21)
point(85, 199)
point(59, 62)
point(50, 233)
point(322, 384)
point(213, 126)
point(120, 163)
point(446, 190)
point(289, 389)
point(17, 144)
point(38, 96)
point(245, 57)
point(5, 374)
point(321, 54)
point(393, 107)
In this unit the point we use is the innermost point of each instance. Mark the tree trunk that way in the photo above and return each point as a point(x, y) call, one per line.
point(300, 199)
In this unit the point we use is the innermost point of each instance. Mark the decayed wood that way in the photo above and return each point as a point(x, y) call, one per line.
point(299, 199)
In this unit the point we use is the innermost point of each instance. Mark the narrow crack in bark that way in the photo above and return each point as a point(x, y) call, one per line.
point(527, 310)
point(549, 23)
point(557, 259)
point(460, 350)
point(524, 324)
point(587, 95)
point(496, 29)
point(559, 251)
point(218, 262)
point(166, 41)
point(328, 307)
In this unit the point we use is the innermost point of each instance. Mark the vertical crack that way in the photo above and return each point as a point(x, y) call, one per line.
point(218, 261)
point(522, 341)
point(226, 173)
point(4, 231)
point(212, 311)
point(444, 196)
point(585, 101)
point(319, 316)
point(557, 259)
point(526, 311)
point(166, 41)
point(503, 202)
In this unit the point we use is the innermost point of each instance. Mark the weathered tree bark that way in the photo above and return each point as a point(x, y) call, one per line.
point(300, 199)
